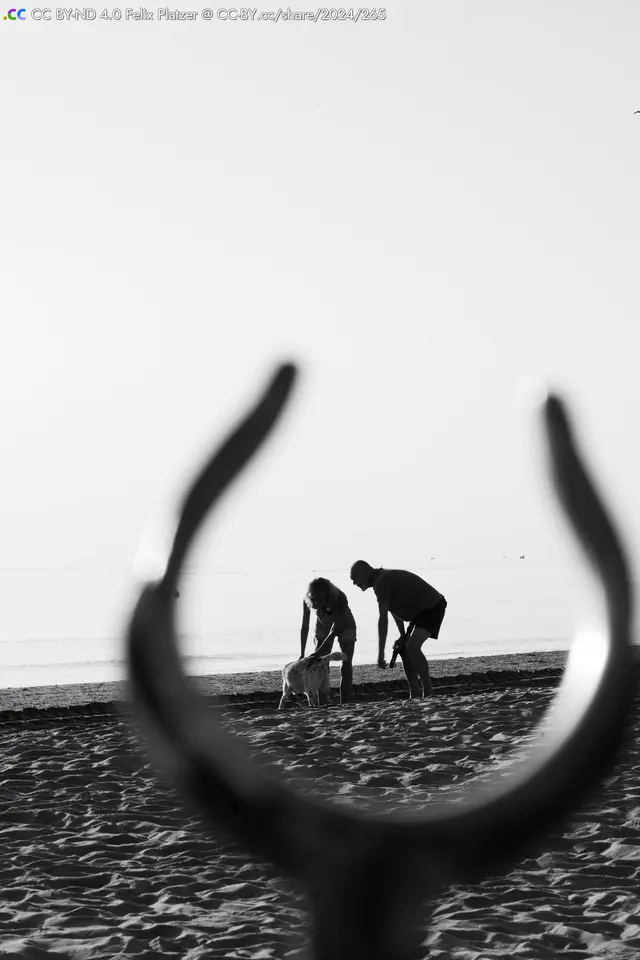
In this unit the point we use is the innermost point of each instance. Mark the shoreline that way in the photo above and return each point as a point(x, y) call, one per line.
point(263, 688)
point(266, 686)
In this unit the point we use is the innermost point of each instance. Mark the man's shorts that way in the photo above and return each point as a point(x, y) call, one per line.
point(431, 619)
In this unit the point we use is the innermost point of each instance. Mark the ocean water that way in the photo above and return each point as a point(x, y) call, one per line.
point(66, 626)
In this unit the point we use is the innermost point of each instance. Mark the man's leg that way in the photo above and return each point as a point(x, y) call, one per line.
point(319, 641)
point(346, 669)
point(410, 668)
point(417, 658)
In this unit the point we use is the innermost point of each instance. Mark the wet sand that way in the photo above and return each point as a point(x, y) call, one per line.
point(99, 859)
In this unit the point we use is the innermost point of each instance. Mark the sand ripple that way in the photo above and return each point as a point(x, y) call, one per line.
point(99, 860)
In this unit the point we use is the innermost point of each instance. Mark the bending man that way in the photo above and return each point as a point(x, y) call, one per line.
point(408, 598)
point(334, 621)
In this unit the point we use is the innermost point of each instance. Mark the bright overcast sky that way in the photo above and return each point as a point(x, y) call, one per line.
point(425, 212)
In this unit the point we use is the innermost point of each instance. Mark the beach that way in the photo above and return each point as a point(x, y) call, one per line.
point(99, 858)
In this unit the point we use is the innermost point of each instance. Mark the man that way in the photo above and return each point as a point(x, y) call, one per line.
point(334, 621)
point(408, 598)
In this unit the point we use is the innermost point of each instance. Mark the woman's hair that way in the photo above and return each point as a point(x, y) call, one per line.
point(319, 592)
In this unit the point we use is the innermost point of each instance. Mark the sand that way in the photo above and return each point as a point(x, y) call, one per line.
point(99, 859)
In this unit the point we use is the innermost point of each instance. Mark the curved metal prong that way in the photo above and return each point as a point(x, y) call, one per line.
point(332, 849)
point(577, 740)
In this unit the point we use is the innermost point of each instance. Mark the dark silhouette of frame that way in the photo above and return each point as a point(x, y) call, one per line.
point(367, 874)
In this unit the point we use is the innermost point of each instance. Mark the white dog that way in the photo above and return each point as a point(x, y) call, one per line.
point(309, 676)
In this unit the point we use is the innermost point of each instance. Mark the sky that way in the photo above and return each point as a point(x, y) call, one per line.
point(426, 213)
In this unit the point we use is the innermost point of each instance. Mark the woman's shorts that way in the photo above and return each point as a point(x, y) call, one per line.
point(431, 619)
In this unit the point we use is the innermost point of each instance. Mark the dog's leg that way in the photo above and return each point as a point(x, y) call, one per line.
point(286, 693)
point(326, 690)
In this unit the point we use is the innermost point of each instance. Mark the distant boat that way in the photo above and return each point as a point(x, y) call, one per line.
point(522, 556)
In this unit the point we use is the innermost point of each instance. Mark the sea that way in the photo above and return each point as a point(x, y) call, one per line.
point(67, 626)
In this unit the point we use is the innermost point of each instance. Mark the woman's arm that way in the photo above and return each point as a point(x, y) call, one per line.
point(304, 629)
point(383, 625)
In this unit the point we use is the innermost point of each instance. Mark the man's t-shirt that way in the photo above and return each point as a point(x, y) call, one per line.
point(339, 613)
point(405, 593)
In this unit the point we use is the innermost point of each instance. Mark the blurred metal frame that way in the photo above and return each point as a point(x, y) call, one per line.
point(367, 874)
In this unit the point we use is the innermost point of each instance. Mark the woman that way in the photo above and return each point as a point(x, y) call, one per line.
point(334, 621)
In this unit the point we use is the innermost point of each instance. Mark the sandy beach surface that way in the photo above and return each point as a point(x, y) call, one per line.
point(99, 859)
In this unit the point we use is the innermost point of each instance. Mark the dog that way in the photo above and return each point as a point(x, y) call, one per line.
point(309, 676)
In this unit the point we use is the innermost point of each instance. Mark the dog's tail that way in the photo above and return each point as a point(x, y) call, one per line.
point(334, 656)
